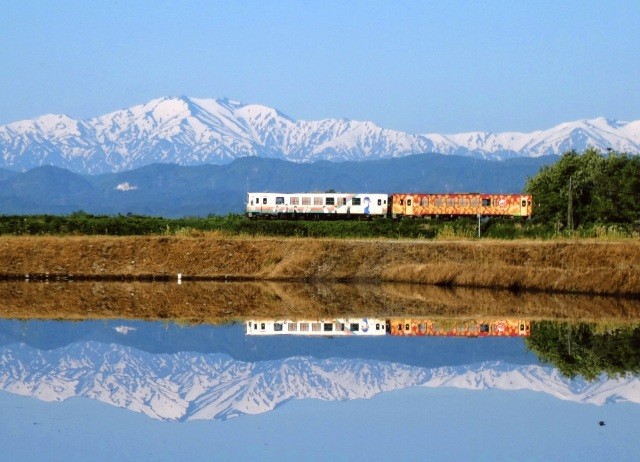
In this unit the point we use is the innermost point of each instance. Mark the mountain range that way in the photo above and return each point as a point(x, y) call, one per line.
point(191, 131)
point(172, 190)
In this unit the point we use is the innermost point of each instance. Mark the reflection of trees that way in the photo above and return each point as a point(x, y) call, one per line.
point(587, 349)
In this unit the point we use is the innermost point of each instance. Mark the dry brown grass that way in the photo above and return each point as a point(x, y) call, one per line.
point(586, 266)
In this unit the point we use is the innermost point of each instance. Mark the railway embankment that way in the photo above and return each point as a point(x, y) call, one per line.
point(563, 266)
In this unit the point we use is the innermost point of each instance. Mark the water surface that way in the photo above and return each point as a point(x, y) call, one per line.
point(122, 388)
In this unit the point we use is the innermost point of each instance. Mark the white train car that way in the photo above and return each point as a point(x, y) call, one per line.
point(316, 205)
point(318, 327)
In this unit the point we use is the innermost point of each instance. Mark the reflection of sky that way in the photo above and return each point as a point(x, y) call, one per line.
point(415, 423)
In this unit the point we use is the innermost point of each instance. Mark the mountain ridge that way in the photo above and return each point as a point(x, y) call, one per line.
point(196, 131)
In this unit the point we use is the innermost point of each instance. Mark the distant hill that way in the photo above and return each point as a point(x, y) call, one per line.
point(5, 174)
point(191, 131)
point(174, 191)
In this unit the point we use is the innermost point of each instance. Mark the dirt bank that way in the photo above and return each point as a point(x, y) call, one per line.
point(587, 267)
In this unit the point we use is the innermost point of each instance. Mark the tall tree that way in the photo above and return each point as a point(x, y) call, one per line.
point(588, 188)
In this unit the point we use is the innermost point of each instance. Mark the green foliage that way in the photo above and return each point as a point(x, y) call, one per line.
point(588, 188)
point(81, 223)
point(585, 349)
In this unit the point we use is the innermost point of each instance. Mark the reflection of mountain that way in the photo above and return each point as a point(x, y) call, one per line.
point(231, 340)
point(185, 385)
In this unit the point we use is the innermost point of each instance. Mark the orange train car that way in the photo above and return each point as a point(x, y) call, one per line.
point(459, 328)
point(456, 205)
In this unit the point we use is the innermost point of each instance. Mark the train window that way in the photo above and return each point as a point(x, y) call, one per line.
point(328, 326)
point(277, 326)
point(279, 200)
point(409, 202)
point(344, 201)
point(474, 202)
point(294, 201)
point(306, 201)
point(315, 327)
point(486, 202)
point(264, 200)
point(262, 326)
point(355, 201)
point(379, 201)
point(378, 326)
point(329, 201)
point(354, 327)
point(304, 327)
point(401, 201)
point(422, 327)
point(399, 326)
point(255, 326)
point(451, 202)
point(524, 203)
point(339, 326)
point(484, 327)
point(292, 327)
point(317, 200)
point(407, 327)
point(439, 202)
point(464, 202)
point(424, 202)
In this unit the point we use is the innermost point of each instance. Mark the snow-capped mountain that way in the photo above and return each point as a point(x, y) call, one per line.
point(190, 131)
point(189, 385)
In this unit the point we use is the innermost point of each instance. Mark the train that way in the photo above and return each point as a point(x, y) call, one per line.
point(338, 327)
point(397, 327)
point(335, 205)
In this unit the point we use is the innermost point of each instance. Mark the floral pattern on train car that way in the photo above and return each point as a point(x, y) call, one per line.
point(460, 328)
point(467, 204)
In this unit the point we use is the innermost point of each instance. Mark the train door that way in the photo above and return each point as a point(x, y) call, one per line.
point(408, 208)
point(523, 206)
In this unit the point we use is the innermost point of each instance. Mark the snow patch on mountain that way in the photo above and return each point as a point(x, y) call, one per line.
point(125, 186)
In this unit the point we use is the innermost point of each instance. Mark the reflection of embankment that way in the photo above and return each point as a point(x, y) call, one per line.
point(215, 302)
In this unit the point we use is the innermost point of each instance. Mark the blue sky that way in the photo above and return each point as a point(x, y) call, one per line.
point(418, 66)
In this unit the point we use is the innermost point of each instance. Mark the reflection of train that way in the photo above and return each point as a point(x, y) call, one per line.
point(393, 326)
point(458, 328)
point(332, 205)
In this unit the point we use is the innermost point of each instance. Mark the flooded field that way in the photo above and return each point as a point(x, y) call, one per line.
point(229, 369)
